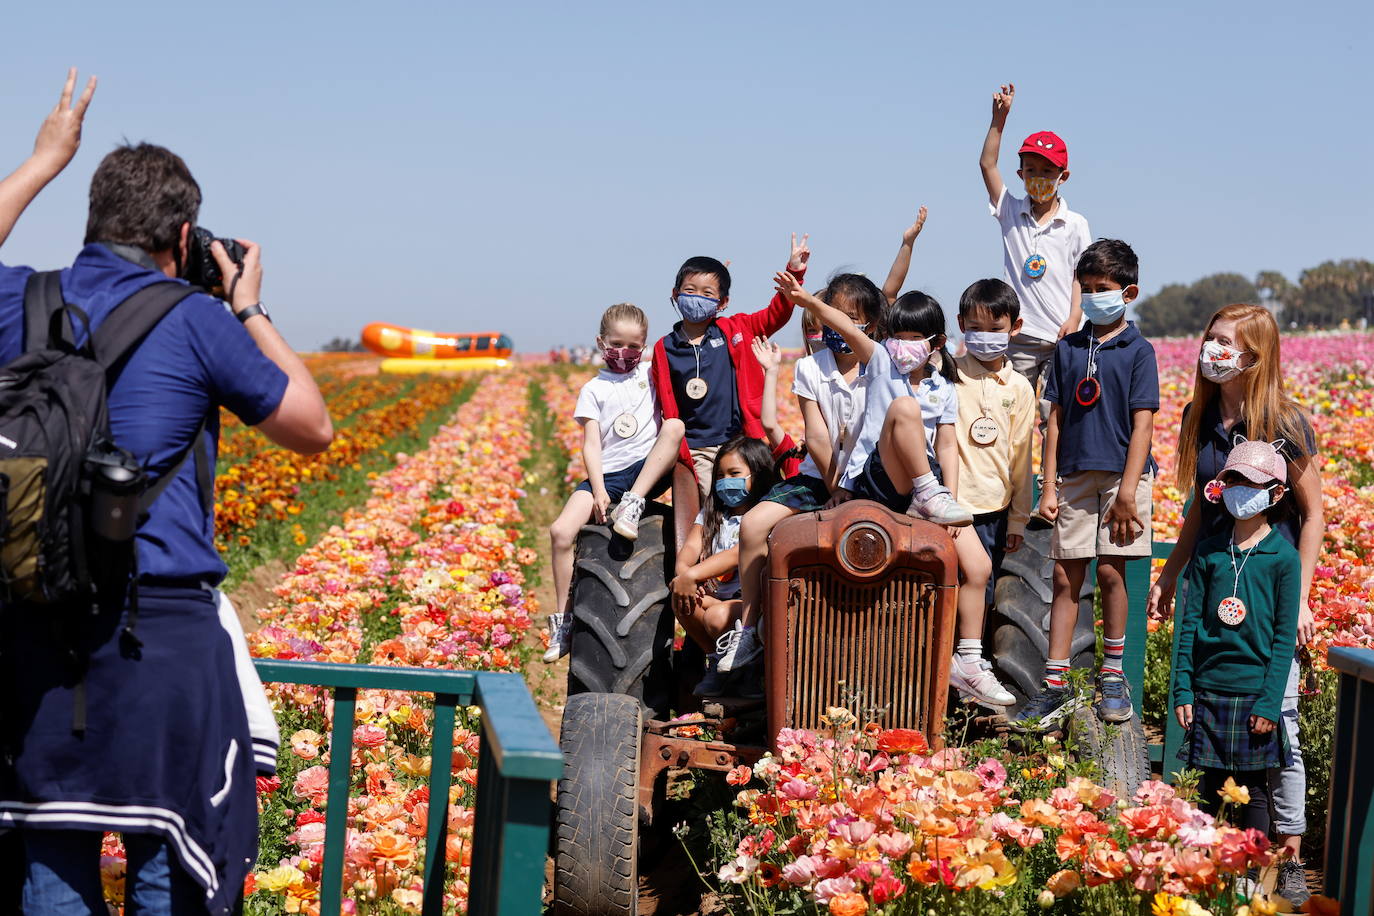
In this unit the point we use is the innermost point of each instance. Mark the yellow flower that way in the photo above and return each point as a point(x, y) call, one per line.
point(1231, 792)
point(279, 878)
point(837, 717)
point(1056, 761)
point(1264, 905)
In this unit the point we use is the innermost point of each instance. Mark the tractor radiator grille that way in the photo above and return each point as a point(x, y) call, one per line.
point(864, 646)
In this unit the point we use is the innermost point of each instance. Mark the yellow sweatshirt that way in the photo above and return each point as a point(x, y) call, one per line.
point(998, 474)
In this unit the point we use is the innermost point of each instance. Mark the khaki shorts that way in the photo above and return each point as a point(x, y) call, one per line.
point(704, 463)
point(1081, 531)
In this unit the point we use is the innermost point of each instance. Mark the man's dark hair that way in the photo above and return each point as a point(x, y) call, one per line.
point(141, 195)
point(704, 265)
point(1110, 258)
point(994, 295)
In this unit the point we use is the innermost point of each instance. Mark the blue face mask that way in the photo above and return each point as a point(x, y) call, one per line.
point(835, 340)
point(1246, 502)
point(1104, 308)
point(732, 490)
point(695, 308)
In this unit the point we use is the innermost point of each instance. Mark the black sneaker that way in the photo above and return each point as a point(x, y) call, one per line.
point(1292, 883)
point(1048, 708)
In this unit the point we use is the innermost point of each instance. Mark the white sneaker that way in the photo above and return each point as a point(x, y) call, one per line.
point(940, 507)
point(560, 637)
point(980, 683)
point(626, 516)
point(737, 647)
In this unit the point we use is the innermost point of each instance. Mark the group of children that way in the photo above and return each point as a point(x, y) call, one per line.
point(892, 416)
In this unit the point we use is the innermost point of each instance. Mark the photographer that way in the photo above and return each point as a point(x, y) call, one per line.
point(148, 736)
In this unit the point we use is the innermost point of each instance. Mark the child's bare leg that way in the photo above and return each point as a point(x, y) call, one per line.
point(709, 618)
point(969, 671)
point(563, 537)
point(1068, 585)
point(754, 529)
point(1111, 578)
point(902, 448)
point(661, 457)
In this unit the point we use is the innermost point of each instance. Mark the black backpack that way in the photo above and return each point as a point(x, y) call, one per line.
point(70, 498)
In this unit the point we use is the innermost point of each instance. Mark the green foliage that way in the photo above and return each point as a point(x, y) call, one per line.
point(1316, 737)
point(1154, 705)
point(1180, 309)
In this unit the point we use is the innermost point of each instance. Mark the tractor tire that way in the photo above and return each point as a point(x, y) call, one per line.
point(596, 868)
point(622, 636)
point(1020, 619)
point(1122, 756)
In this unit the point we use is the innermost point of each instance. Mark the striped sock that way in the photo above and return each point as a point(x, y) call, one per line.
point(1056, 673)
point(1112, 651)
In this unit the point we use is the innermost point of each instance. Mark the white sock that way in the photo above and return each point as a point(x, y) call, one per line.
point(970, 652)
point(925, 483)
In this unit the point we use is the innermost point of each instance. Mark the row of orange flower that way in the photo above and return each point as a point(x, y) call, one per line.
point(433, 552)
point(344, 396)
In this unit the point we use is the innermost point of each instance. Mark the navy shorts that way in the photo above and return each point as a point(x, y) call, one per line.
point(874, 483)
point(992, 531)
point(617, 482)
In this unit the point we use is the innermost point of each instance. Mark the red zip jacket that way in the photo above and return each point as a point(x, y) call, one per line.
point(739, 332)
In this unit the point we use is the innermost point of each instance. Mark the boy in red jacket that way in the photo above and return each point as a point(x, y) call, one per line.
point(705, 372)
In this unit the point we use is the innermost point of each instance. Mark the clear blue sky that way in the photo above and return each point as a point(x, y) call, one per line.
point(463, 166)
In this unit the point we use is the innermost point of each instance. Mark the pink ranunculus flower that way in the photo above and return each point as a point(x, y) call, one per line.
point(992, 774)
point(797, 790)
point(312, 784)
point(855, 833)
point(894, 845)
point(369, 736)
point(1154, 792)
point(831, 887)
point(801, 871)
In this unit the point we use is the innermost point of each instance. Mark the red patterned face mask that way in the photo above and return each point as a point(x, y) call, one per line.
point(621, 359)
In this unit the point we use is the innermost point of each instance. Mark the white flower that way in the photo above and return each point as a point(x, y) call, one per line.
point(738, 870)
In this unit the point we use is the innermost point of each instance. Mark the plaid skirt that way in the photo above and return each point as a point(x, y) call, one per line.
point(1221, 736)
point(801, 492)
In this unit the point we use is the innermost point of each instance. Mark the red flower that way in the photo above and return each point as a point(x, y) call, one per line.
point(739, 776)
point(309, 816)
point(268, 784)
point(902, 741)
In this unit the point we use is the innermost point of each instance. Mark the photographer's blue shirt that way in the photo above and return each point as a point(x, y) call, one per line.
point(199, 358)
point(1096, 437)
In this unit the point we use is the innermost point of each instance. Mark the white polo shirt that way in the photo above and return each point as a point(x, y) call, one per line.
point(1045, 302)
point(611, 394)
point(818, 378)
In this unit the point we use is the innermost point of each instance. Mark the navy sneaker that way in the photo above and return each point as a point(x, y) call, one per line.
point(713, 684)
point(748, 682)
point(1114, 701)
point(1048, 708)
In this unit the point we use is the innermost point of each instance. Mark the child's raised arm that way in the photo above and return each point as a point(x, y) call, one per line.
point(769, 356)
point(774, 317)
point(992, 144)
point(57, 142)
point(896, 276)
point(790, 287)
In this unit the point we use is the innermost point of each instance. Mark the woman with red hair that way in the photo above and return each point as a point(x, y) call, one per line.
point(1239, 395)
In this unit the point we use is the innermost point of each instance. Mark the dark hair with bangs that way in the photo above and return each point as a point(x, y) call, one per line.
point(142, 195)
point(996, 296)
point(1110, 258)
point(763, 476)
point(704, 265)
point(918, 313)
point(861, 291)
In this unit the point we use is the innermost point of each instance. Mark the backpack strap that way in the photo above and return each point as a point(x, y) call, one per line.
point(42, 301)
point(131, 321)
point(205, 481)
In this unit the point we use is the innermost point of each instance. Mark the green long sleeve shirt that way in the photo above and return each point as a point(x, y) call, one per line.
point(1253, 656)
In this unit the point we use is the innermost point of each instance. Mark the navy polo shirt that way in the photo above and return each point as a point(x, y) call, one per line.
point(1097, 437)
point(714, 419)
point(1214, 446)
point(199, 358)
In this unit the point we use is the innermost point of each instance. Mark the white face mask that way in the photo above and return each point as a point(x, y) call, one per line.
point(1219, 363)
point(986, 345)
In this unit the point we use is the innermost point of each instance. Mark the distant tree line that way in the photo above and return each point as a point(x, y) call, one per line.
point(1329, 295)
point(342, 345)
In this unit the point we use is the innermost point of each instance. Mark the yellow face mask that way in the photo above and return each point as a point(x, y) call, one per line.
point(1042, 190)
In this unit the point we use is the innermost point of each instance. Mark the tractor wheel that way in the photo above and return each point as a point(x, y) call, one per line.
point(1020, 620)
point(622, 637)
point(1120, 750)
point(597, 828)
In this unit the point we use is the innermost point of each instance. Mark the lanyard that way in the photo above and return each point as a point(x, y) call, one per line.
point(1231, 549)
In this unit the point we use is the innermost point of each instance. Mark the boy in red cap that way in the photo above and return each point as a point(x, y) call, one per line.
point(1041, 241)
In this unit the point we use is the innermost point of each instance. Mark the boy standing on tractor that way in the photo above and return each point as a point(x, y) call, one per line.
point(705, 372)
point(1041, 242)
point(1103, 386)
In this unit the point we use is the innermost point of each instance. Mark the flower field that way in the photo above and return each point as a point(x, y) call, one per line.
point(408, 543)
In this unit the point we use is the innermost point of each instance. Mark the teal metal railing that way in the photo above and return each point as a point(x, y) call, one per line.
point(517, 761)
point(1349, 867)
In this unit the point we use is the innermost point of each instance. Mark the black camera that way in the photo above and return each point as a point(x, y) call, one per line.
point(201, 267)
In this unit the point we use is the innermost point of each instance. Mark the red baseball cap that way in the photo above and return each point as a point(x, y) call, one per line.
point(1047, 144)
